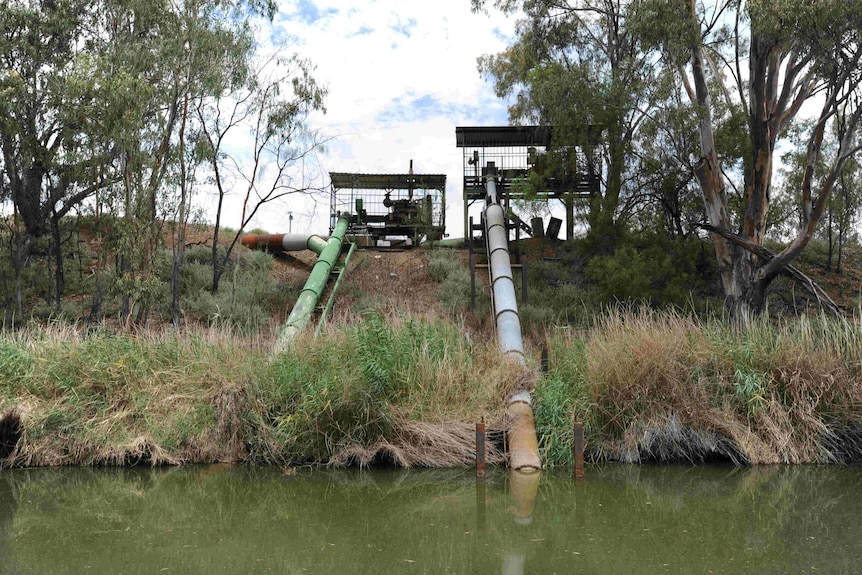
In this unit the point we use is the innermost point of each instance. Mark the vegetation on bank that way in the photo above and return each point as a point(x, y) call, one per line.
point(388, 389)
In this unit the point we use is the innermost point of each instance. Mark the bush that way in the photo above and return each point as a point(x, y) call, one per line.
point(455, 290)
point(442, 265)
point(653, 270)
point(245, 304)
point(454, 280)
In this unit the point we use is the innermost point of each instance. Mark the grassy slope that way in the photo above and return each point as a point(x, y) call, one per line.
point(407, 390)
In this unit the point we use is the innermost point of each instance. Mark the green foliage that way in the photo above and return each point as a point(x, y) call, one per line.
point(578, 67)
point(246, 301)
point(775, 392)
point(349, 388)
point(560, 398)
point(654, 270)
point(455, 291)
point(97, 399)
point(442, 264)
point(750, 389)
point(454, 280)
point(85, 84)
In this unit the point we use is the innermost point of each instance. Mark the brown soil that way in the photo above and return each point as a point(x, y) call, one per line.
point(391, 281)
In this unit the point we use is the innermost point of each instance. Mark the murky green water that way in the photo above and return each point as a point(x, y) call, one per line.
point(622, 519)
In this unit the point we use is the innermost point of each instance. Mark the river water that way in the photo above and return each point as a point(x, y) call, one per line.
point(620, 519)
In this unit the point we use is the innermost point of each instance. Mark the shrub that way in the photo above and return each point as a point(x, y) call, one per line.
point(244, 299)
point(442, 264)
point(653, 270)
point(455, 290)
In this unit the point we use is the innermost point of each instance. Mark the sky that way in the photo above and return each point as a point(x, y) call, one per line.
point(401, 76)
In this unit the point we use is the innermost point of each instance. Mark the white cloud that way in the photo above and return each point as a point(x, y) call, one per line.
point(401, 76)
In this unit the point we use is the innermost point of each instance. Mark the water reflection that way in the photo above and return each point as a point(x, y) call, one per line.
point(8, 505)
point(622, 519)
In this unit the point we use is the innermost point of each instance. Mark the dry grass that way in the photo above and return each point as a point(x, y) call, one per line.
point(102, 399)
point(397, 389)
point(386, 388)
point(664, 386)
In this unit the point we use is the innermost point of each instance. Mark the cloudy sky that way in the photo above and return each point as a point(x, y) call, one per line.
point(401, 76)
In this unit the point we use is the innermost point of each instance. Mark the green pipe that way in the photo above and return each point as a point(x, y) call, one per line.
point(316, 244)
point(313, 289)
point(331, 299)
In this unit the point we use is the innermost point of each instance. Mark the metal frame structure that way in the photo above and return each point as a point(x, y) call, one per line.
point(406, 206)
point(515, 152)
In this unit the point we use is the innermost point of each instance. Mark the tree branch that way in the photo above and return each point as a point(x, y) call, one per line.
point(823, 299)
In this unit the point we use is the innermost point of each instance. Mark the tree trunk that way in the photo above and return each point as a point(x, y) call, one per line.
point(124, 260)
point(59, 275)
point(829, 240)
point(96, 307)
point(23, 240)
point(569, 202)
point(602, 234)
point(744, 284)
point(217, 269)
point(180, 239)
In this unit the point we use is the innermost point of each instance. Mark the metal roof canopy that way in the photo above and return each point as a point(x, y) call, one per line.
point(492, 136)
point(343, 180)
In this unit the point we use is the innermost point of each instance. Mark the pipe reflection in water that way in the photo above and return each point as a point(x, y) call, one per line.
point(523, 487)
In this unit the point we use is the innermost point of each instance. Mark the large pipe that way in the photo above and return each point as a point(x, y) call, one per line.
point(502, 284)
point(523, 443)
point(284, 242)
point(314, 286)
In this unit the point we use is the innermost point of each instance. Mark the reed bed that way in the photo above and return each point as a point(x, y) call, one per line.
point(402, 390)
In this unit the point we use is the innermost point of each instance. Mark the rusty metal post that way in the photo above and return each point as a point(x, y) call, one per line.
point(578, 449)
point(480, 450)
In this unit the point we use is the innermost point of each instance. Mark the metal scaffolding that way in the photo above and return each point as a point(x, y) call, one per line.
point(516, 152)
point(407, 207)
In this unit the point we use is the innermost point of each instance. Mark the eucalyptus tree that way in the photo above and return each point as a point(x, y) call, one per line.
point(842, 209)
point(575, 64)
point(767, 63)
point(55, 152)
point(103, 96)
point(197, 46)
point(665, 196)
point(270, 108)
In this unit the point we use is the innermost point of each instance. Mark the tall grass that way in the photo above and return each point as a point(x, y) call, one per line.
point(101, 398)
point(388, 389)
point(400, 390)
point(667, 386)
point(405, 389)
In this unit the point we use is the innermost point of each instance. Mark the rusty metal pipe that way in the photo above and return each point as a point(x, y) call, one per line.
point(480, 450)
point(523, 443)
point(284, 242)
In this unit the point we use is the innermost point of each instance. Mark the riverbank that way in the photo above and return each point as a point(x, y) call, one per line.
point(406, 391)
